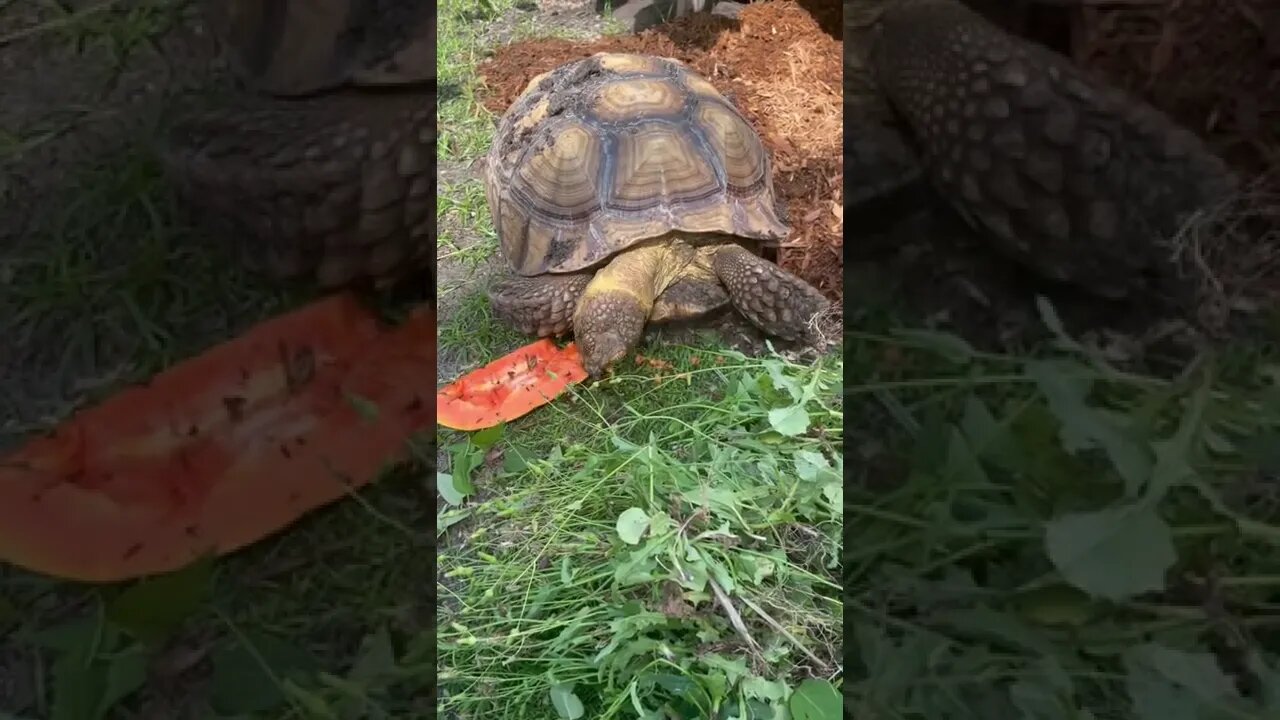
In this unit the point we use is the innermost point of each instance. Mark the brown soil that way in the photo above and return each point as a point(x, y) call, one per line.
point(1212, 64)
point(780, 63)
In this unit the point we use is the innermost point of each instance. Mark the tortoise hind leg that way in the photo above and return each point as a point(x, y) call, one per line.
point(773, 299)
point(538, 306)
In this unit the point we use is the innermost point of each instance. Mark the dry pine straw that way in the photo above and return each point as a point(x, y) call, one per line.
point(780, 68)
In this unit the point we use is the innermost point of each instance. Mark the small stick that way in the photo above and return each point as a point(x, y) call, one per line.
point(778, 626)
point(734, 618)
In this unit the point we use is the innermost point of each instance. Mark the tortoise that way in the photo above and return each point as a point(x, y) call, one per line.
point(625, 189)
point(323, 160)
point(1074, 179)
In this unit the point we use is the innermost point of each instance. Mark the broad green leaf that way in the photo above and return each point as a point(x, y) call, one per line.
point(572, 632)
point(1084, 427)
point(834, 493)
point(486, 438)
point(683, 688)
point(1115, 553)
point(1269, 678)
point(660, 523)
point(962, 463)
point(78, 683)
point(463, 458)
point(789, 421)
point(126, 673)
point(625, 445)
point(566, 703)
point(1164, 683)
point(515, 459)
point(315, 707)
point(782, 382)
point(377, 658)
point(70, 636)
point(1057, 605)
point(448, 518)
point(241, 685)
point(816, 700)
point(811, 465)
point(448, 487)
point(1154, 698)
point(1197, 672)
point(987, 437)
point(631, 525)
point(1037, 701)
point(152, 609)
point(762, 689)
point(720, 573)
point(693, 575)
point(1002, 629)
point(929, 453)
point(1173, 456)
point(952, 347)
point(897, 666)
point(757, 567)
point(638, 567)
point(1173, 468)
point(733, 669)
point(724, 502)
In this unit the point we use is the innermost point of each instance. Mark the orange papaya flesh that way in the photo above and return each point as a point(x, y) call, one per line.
point(220, 450)
point(509, 387)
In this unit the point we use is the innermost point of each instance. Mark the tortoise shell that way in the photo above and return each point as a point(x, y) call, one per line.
point(615, 149)
point(300, 47)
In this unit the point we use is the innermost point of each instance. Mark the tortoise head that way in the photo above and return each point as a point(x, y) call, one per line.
point(301, 47)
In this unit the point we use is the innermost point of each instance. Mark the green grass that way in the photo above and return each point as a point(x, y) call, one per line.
point(114, 286)
point(462, 215)
point(666, 541)
point(1049, 537)
point(589, 566)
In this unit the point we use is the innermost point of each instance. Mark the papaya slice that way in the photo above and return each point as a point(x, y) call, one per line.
point(220, 450)
point(509, 387)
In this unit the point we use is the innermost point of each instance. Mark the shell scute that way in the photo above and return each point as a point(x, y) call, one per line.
point(616, 149)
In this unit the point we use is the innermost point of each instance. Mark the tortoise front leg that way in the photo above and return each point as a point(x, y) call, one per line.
point(773, 299)
point(538, 306)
